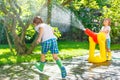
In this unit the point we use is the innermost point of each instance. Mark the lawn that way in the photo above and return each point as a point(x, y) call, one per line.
point(67, 49)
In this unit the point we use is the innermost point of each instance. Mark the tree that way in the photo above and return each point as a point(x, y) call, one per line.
point(15, 18)
point(112, 10)
point(49, 11)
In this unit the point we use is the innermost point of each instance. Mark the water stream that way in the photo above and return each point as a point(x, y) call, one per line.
point(62, 17)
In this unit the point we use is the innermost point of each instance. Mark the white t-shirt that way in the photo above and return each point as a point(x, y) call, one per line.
point(47, 31)
point(107, 28)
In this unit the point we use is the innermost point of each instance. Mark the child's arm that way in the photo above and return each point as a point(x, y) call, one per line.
point(105, 31)
point(40, 35)
point(53, 30)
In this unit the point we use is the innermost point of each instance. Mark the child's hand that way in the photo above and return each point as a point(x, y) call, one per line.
point(105, 31)
point(38, 41)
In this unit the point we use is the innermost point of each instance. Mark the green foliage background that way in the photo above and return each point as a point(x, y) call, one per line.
point(90, 12)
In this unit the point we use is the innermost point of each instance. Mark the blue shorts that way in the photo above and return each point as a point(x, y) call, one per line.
point(51, 45)
point(108, 41)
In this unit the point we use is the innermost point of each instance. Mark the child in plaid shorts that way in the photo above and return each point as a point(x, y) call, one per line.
point(48, 42)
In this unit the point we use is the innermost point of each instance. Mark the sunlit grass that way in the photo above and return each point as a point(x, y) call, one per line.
point(69, 53)
point(67, 50)
point(3, 51)
point(115, 47)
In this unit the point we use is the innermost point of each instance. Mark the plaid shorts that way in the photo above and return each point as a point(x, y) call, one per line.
point(51, 45)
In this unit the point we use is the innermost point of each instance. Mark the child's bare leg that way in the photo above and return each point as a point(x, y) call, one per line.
point(42, 58)
point(108, 50)
point(109, 55)
point(55, 56)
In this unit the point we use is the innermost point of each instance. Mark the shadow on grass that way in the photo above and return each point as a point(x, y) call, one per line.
point(12, 67)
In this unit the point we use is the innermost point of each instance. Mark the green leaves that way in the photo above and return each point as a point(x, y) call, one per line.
point(30, 32)
point(57, 32)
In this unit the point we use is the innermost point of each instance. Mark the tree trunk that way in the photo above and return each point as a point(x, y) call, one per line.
point(9, 41)
point(49, 13)
point(12, 20)
point(29, 51)
point(20, 45)
point(66, 2)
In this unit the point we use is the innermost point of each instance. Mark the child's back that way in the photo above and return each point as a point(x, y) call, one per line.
point(47, 31)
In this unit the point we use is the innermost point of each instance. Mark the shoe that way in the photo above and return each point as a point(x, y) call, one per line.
point(63, 72)
point(40, 66)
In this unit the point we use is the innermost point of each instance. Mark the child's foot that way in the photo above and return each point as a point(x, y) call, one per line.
point(109, 56)
point(40, 66)
point(63, 72)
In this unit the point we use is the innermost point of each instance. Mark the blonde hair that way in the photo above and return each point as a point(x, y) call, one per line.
point(37, 20)
point(109, 21)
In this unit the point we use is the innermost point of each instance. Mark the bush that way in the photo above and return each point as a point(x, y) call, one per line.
point(115, 34)
point(74, 34)
point(57, 32)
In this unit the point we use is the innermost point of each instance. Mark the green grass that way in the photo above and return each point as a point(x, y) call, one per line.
point(68, 49)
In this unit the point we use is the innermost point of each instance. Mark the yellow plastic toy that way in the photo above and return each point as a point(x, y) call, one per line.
point(94, 39)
